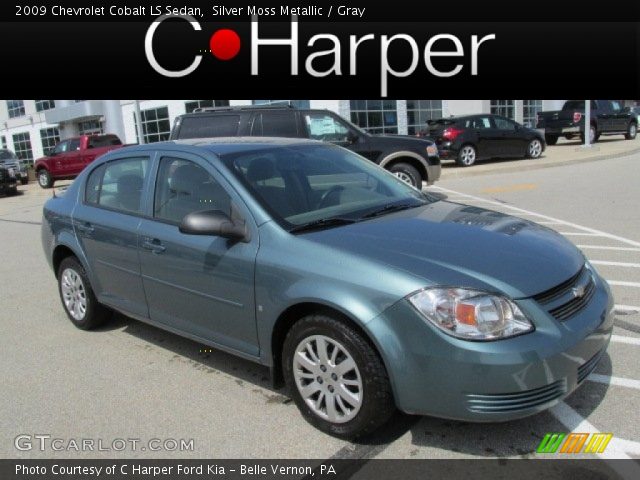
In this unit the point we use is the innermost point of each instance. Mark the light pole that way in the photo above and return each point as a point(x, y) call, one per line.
point(587, 124)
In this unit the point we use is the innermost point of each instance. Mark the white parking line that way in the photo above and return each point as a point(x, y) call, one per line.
point(577, 423)
point(549, 223)
point(603, 247)
point(618, 381)
point(627, 308)
point(615, 264)
point(581, 234)
point(627, 340)
point(623, 284)
point(628, 241)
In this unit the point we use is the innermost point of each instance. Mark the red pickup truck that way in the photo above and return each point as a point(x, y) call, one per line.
point(67, 159)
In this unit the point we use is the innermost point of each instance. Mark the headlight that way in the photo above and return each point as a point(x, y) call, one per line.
point(471, 314)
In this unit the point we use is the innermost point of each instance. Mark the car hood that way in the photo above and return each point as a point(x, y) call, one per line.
point(446, 243)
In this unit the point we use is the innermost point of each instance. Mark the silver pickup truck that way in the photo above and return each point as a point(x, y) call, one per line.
point(11, 162)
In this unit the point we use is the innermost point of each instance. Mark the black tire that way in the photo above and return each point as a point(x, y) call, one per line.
point(467, 155)
point(551, 139)
point(377, 399)
point(632, 131)
point(94, 314)
point(45, 180)
point(24, 181)
point(407, 173)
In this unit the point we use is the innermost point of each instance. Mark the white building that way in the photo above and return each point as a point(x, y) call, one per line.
point(29, 127)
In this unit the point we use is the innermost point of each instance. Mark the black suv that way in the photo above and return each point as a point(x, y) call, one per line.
point(411, 159)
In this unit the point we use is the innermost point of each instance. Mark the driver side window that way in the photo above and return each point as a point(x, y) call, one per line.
point(325, 127)
point(61, 147)
point(183, 187)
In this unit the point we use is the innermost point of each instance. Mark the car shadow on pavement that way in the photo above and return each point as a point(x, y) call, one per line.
point(518, 438)
point(201, 357)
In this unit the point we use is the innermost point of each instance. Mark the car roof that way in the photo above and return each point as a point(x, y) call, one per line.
point(227, 145)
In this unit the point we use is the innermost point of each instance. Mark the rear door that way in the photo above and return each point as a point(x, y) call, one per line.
point(619, 119)
point(485, 135)
point(106, 222)
point(605, 116)
point(276, 123)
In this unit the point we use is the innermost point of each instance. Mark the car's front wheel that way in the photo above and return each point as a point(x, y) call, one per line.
point(552, 139)
point(466, 156)
point(45, 180)
point(336, 378)
point(534, 149)
point(408, 174)
point(78, 299)
point(632, 131)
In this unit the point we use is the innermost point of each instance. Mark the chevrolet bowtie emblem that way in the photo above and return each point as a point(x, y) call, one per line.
point(578, 291)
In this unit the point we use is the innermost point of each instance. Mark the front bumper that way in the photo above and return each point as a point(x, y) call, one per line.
point(433, 173)
point(435, 374)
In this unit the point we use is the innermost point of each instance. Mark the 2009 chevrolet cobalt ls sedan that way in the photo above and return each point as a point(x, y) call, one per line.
point(362, 293)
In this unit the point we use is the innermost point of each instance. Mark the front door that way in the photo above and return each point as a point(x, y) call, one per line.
point(511, 142)
point(199, 285)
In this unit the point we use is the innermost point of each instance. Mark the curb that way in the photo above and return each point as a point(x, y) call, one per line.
point(466, 172)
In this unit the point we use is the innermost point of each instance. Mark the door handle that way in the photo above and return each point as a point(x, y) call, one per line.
point(154, 245)
point(85, 228)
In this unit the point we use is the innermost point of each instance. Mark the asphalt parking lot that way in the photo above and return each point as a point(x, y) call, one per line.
point(130, 380)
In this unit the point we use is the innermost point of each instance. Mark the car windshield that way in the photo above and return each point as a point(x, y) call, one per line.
point(310, 184)
point(7, 155)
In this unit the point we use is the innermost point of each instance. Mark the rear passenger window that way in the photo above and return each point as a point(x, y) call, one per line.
point(275, 124)
point(118, 185)
point(184, 187)
point(203, 126)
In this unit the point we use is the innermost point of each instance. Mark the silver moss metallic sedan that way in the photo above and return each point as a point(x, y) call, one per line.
point(363, 294)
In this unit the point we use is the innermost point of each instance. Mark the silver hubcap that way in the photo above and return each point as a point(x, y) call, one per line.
point(632, 131)
point(43, 179)
point(535, 148)
point(404, 177)
point(73, 293)
point(328, 379)
point(592, 134)
point(468, 155)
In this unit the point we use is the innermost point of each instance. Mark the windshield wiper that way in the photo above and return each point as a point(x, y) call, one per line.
point(390, 208)
point(322, 223)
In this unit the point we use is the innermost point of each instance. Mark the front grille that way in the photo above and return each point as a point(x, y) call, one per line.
point(512, 402)
point(559, 290)
point(570, 297)
point(589, 366)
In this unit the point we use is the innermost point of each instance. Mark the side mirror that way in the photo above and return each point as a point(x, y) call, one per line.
point(352, 137)
point(215, 223)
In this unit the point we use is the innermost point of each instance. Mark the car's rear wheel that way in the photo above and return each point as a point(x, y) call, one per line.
point(336, 378)
point(534, 149)
point(45, 180)
point(552, 139)
point(408, 174)
point(24, 181)
point(78, 299)
point(466, 156)
point(632, 131)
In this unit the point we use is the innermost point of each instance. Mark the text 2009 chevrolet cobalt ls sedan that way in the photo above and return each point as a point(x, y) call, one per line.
point(362, 293)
